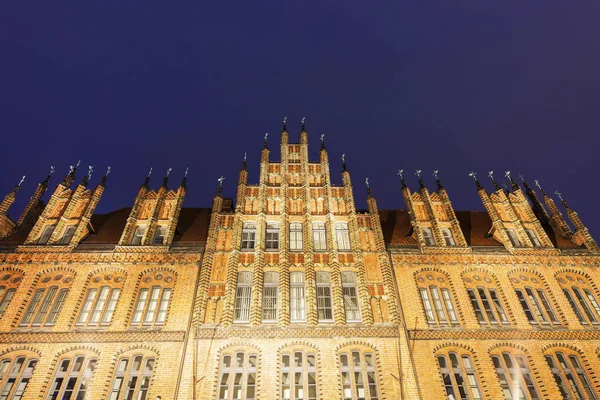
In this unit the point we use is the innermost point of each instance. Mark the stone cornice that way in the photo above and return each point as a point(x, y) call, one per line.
point(92, 337)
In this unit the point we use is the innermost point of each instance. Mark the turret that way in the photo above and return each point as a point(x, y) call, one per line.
point(581, 236)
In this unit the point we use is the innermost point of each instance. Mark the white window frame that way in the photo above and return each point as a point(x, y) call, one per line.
point(458, 375)
point(15, 375)
point(248, 236)
point(44, 307)
point(137, 371)
point(298, 376)
point(99, 306)
point(533, 237)
point(514, 239)
point(297, 297)
point(243, 297)
point(350, 295)
point(448, 237)
point(359, 376)
point(138, 235)
point(270, 296)
point(342, 236)
point(296, 240)
point(272, 236)
point(79, 370)
point(428, 236)
point(324, 299)
point(237, 376)
point(151, 306)
point(46, 234)
point(319, 236)
point(159, 235)
point(510, 368)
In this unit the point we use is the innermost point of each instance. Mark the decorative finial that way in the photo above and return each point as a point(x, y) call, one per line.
point(344, 162)
point(284, 120)
point(303, 119)
point(435, 174)
point(245, 156)
point(505, 185)
point(400, 174)
point(49, 175)
point(169, 171)
point(149, 173)
point(184, 179)
point(322, 137)
point(367, 182)
point(491, 176)
point(559, 195)
point(21, 181)
point(186, 171)
point(418, 173)
point(90, 170)
point(105, 177)
point(220, 180)
point(522, 178)
point(507, 175)
point(266, 136)
point(473, 175)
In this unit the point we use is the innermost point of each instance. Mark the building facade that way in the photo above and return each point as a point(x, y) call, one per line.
point(292, 293)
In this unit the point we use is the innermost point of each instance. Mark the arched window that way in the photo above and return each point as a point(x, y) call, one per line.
point(436, 297)
point(569, 374)
point(248, 236)
point(342, 235)
point(350, 295)
point(237, 376)
point(324, 304)
point(9, 282)
point(359, 379)
point(515, 378)
point(272, 236)
point(138, 235)
point(153, 299)
point(319, 238)
point(242, 297)
point(298, 376)
point(485, 298)
point(15, 374)
point(47, 300)
point(132, 377)
point(534, 299)
point(295, 236)
point(72, 377)
point(297, 298)
point(270, 289)
point(101, 299)
point(581, 297)
point(458, 374)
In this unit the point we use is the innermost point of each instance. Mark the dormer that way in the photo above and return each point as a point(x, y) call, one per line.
point(433, 220)
point(514, 224)
point(154, 215)
point(66, 218)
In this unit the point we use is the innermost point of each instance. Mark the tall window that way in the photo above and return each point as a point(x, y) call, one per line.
point(68, 234)
point(342, 235)
point(159, 235)
point(272, 238)
point(138, 235)
point(270, 289)
point(485, 299)
point(248, 236)
point(515, 379)
point(297, 300)
point(153, 299)
point(242, 297)
point(237, 377)
point(350, 295)
point(534, 300)
point(47, 300)
point(514, 239)
point(428, 236)
point(72, 378)
point(319, 238)
point(533, 237)
point(458, 374)
point(15, 375)
point(295, 236)
point(132, 378)
point(581, 297)
point(48, 230)
point(448, 237)
point(324, 306)
point(570, 377)
point(9, 282)
point(359, 380)
point(298, 376)
point(101, 300)
point(436, 297)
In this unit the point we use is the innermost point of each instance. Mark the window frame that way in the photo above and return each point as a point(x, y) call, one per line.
point(514, 238)
point(296, 236)
point(22, 375)
point(436, 299)
point(243, 297)
point(569, 374)
point(533, 237)
point(248, 242)
point(319, 236)
point(68, 234)
point(46, 234)
point(506, 375)
point(159, 233)
point(138, 235)
point(140, 377)
point(149, 311)
point(324, 296)
point(457, 376)
point(582, 298)
point(305, 369)
point(297, 297)
point(97, 305)
point(270, 300)
point(349, 285)
point(428, 236)
point(87, 368)
point(342, 236)
point(369, 381)
point(448, 237)
point(272, 236)
point(44, 306)
point(233, 370)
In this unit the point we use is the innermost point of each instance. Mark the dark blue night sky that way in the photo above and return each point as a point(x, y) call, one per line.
point(402, 84)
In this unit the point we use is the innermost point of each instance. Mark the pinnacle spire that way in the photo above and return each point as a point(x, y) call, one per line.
point(147, 179)
point(71, 175)
point(244, 165)
point(184, 179)
point(284, 129)
point(266, 144)
point(368, 187)
point(105, 177)
point(88, 176)
point(491, 176)
point(473, 175)
point(220, 189)
point(45, 182)
point(418, 174)
point(344, 162)
point(166, 179)
point(402, 181)
point(303, 125)
point(514, 184)
point(437, 179)
point(322, 141)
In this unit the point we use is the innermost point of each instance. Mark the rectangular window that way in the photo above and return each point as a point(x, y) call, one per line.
point(535, 305)
point(138, 235)
point(324, 307)
point(574, 306)
point(248, 236)
point(87, 306)
point(272, 237)
point(111, 306)
point(449, 305)
point(60, 300)
point(6, 300)
point(295, 236)
point(535, 241)
point(448, 237)
point(159, 235)
point(498, 305)
point(152, 305)
point(487, 305)
point(319, 238)
point(584, 305)
point(297, 300)
point(427, 305)
point(242, 297)
point(350, 295)
point(514, 239)
point(525, 305)
point(45, 307)
point(48, 230)
point(547, 306)
point(139, 307)
point(37, 297)
point(588, 293)
point(163, 305)
point(99, 305)
point(342, 235)
point(476, 306)
point(270, 288)
point(68, 234)
point(437, 302)
point(428, 236)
